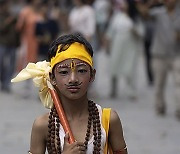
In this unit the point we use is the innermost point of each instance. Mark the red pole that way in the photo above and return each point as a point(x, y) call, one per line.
point(62, 115)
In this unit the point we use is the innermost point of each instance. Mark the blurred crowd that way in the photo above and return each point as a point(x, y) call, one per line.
point(121, 28)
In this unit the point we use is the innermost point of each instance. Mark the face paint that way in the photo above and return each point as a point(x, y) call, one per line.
point(72, 65)
point(63, 66)
point(72, 77)
point(81, 64)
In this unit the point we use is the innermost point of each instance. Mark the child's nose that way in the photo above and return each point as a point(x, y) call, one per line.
point(73, 77)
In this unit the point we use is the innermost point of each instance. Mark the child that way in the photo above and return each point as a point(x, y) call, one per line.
point(71, 74)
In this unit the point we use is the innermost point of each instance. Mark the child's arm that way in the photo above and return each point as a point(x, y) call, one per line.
point(116, 137)
point(38, 135)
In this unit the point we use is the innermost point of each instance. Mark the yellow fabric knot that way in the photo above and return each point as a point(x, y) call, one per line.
point(40, 73)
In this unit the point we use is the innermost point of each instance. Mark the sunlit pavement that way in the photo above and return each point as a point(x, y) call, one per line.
point(144, 131)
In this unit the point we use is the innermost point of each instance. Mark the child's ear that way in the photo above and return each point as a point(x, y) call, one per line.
point(52, 79)
point(93, 74)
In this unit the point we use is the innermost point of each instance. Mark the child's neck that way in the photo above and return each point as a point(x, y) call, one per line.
point(75, 108)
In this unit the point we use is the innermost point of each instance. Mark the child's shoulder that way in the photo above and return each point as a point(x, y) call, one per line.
point(41, 122)
point(113, 115)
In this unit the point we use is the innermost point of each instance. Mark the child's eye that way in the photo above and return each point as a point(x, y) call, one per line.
point(63, 72)
point(82, 71)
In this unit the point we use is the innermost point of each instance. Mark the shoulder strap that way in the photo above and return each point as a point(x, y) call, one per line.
point(106, 112)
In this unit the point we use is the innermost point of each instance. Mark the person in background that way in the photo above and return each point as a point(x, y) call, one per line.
point(102, 10)
point(165, 50)
point(149, 30)
point(27, 19)
point(124, 42)
point(46, 31)
point(28, 50)
point(9, 41)
point(82, 19)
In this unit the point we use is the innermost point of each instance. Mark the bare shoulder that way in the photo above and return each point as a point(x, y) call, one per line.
point(116, 137)
point(115, 125)
point(41, 123)
point(39, 134)
point(114, 118)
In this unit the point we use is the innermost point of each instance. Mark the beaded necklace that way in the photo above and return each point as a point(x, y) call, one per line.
point(53, 139)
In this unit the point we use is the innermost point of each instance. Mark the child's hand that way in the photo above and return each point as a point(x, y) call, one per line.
point(76, 147)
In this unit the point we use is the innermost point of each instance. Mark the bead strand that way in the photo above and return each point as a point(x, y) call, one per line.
point(58, 144)
point(53, 139)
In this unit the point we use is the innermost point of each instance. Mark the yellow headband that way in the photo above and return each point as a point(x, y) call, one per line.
point(75, 50)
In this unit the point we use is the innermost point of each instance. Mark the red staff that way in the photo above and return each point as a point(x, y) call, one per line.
point(61, 113)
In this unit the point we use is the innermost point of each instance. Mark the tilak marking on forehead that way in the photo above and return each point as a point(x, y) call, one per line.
point(63, 65)
point(72, 64)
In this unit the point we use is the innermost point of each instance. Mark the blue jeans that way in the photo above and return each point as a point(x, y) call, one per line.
point(7, 66)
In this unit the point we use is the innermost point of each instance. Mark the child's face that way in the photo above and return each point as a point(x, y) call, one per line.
point(72, 78)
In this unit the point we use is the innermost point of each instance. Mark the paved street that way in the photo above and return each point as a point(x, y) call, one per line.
point(144, 131)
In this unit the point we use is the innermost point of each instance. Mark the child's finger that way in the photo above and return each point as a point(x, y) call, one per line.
point(82, 148)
